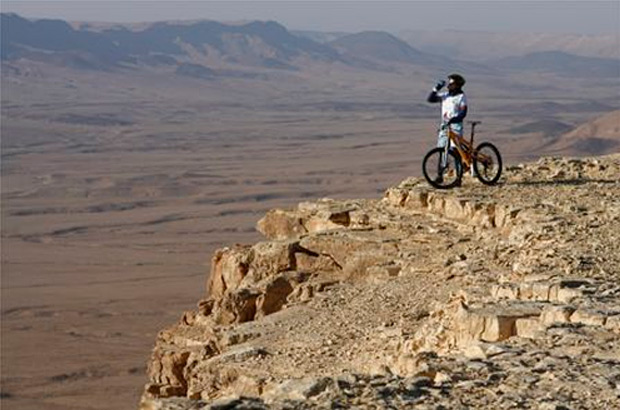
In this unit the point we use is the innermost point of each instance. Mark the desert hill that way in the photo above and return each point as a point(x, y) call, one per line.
point(481, 297)
point(548, 128)
point(601, 135)
point(382, 46)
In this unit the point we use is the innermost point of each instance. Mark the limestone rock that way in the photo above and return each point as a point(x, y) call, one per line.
point(274, 296)
point(313, 262)
point(166, 373)
point(278, 224)
point(271, 258)
point(228, 268)
point(556, 314)
point(613, 323)
point(327, 220)
point(300, 389)
point(528, 327)
point(492, 323)
point(588, 317)
point(236, 307)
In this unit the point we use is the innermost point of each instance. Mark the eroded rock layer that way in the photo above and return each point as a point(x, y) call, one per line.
point(478, 297)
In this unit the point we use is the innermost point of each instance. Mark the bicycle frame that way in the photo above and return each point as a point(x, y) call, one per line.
point(483, 161)
point(466, 148)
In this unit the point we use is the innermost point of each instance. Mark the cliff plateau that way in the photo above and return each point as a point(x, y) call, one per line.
point(479, 297)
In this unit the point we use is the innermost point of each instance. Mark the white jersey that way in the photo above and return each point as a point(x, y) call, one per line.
point(452, 105)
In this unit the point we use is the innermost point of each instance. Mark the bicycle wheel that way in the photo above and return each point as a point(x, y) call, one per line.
point(487, 163)
point(442, 171)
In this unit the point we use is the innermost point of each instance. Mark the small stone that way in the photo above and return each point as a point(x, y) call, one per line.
point(613, 323)
point(441, 378)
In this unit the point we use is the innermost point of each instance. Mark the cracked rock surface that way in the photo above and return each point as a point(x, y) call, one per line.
point(479, 297)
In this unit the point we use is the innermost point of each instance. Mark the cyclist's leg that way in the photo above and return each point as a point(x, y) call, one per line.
point(442, 142)
point(457, 129)
point(442, 138)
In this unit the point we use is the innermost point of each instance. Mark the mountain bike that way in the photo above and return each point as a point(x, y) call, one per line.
point(443, 166)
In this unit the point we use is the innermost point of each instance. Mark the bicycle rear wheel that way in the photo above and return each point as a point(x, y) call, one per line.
point(487, 163)
point(440, 170)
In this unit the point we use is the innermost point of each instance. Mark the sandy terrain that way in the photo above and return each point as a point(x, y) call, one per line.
point(116, 190)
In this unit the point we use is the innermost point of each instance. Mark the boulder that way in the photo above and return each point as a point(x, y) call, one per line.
point(313, 262)
point(270, 258)
point(236, 307)
point(229, 266)
point(166, 373)
point(326, 220)
point(556, 314)
point(274, 295)
point(528, 327)
point(588, 317)
point(280, 225)
point(491, 323)
point(300, 389)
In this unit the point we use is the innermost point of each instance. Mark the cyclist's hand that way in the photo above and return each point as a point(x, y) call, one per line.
point(439, 85)
point(444, 126)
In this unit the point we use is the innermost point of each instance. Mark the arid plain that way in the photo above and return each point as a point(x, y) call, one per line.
point(117, 187)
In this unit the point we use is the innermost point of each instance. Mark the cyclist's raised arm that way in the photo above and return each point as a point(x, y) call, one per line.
point(433, 97)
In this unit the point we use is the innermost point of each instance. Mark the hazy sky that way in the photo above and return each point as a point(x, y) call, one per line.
point(587, 17)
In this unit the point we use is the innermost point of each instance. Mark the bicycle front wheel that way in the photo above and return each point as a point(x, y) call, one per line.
point(487, 163)
point(440, 170)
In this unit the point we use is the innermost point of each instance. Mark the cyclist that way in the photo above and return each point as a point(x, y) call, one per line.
point(453, 107)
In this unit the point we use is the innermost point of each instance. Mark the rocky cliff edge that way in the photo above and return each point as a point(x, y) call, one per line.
point(479, 297)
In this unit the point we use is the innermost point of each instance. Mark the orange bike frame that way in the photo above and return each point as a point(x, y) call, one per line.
point(464, 147)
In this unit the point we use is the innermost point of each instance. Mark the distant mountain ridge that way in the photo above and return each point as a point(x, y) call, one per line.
point(262, 44)
point(207, 49)
point(256, 43)
point(24, 38)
